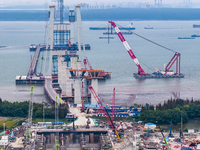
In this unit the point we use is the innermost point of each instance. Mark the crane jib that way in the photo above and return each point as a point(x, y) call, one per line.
point(126, 45)
point(121, 37)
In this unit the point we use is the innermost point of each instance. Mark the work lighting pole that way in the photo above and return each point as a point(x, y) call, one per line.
point(4, 134)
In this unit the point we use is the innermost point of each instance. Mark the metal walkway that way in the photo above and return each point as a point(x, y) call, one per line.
point(34, 62)
point(49, 89)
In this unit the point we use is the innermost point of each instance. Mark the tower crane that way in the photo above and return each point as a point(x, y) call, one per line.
point(97, 97)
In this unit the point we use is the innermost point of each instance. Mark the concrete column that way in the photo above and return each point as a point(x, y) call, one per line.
point(87, 138)
point(67, 140)
point(52, 138)
point(91, 137)
point(62, 141)
point(69, 82)
point(77, 91)
point(48, 139)
point(71, 138)
point(94, 84)
point(72, 36)
point(60, 60)
point(50, 28)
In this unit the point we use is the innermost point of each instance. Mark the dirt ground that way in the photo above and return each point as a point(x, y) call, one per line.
point(3, 118)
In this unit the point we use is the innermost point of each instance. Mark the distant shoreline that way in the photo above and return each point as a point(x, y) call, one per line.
point(119, 14)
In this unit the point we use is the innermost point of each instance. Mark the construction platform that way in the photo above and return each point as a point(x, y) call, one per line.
point(148, 76)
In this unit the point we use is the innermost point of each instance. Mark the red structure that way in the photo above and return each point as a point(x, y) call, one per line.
point(158, 74)
point(132, 55)
point(113, 105)
point(97, 97)
point(177, 58)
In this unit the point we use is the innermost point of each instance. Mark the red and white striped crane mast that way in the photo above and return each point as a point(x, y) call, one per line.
point(140, 70)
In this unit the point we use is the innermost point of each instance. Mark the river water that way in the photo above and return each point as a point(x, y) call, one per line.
point(112, 57)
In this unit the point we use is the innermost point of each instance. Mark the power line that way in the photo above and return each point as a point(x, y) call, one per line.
point(150, 40)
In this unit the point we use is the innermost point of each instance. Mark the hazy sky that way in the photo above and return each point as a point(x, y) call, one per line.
point(74, 2)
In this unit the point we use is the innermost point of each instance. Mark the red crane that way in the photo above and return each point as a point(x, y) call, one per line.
point(161, 74)
point(97, 97)
point(140, 70)
point(82, 97)
point(113, 109)
point(87, 62)
point(113, 105)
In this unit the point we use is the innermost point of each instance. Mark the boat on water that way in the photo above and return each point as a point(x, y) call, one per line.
point(32, 47)
point(195, 35)
point(87, 47)
point(106, 28)
point(148, 27)
point(98, 28)
point(196, 26)
point(116, 33)
point(106, 37)
point(186, 38)
point(130, 27)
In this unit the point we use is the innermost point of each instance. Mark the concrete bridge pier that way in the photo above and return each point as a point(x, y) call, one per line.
point(91, 138)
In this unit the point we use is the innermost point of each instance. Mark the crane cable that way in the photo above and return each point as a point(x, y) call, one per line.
point(149, 40)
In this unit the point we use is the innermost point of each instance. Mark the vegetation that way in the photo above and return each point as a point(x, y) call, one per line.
point(8, 124)
point(20, 109)
point(171, 110)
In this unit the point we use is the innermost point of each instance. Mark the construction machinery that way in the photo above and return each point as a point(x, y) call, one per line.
point(97, 97)
point(162, 134)
point(166, 73)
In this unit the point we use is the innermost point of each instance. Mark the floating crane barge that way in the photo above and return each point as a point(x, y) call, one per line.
point(166, 73)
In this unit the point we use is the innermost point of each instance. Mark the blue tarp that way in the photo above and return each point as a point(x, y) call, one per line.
point(2, 133)
point(149, 124)
point(186, 148)
point(94, 105)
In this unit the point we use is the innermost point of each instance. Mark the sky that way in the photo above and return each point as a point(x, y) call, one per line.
point(91, 2)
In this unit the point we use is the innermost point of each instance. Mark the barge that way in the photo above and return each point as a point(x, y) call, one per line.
point(155, 75)
point(25, 80)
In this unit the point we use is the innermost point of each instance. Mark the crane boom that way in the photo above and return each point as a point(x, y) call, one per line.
point(126, 45)
point(97, 97)
point(113, 105)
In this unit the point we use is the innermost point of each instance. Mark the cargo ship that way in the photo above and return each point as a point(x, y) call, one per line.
point(195, 35)
point(130, 27)
point(165, 73)
point(116, 33)
point(106, 28)
point(186, 38)
point(196, 26)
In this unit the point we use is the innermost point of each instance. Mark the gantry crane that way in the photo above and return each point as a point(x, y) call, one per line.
point(97, 97)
